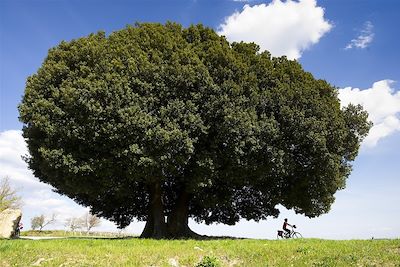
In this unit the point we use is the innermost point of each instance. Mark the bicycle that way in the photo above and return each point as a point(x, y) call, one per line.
point(292, 234)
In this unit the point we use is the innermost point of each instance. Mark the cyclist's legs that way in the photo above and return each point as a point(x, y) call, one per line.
point(287, 232)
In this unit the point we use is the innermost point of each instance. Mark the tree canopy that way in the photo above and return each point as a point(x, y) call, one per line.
point(159, 120)
point(9, 198)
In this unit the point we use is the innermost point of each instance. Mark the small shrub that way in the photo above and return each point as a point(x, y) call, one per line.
point(208, 261)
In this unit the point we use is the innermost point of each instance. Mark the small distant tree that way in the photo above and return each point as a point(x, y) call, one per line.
point(35, 222)
point(89, 221)
point(41, 221)
point(73, 223)
point(8, 196)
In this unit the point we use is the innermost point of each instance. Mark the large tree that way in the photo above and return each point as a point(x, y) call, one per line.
point(159, 121)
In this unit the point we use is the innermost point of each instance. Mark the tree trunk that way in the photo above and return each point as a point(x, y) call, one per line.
point(155, 225)
point(177, 221)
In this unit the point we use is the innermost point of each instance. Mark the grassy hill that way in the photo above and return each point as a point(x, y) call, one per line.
point(78, 251)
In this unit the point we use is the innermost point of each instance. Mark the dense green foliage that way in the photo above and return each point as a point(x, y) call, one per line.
point(225, 252)
point(157, 120)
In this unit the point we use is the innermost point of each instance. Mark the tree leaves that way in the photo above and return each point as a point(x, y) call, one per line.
point(240, 131)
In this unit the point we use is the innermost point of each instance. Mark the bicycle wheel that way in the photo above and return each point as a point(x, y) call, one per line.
point(296, 235)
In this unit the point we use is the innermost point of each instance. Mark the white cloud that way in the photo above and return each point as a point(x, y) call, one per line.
point(12, 148)
point(383, 105)
point(283, 28)
point(364, 38)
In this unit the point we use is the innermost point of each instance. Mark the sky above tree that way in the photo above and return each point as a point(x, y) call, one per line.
point(351, 44)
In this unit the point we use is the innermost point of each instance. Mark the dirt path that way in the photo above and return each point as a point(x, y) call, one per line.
point(41, 237)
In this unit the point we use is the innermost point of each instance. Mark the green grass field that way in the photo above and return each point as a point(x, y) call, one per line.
point(222, 252)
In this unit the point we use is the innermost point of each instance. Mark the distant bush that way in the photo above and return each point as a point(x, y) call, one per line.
point(208, 261)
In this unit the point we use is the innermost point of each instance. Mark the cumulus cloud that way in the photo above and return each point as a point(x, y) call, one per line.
point(364, 38)
point(283, 28)
point(12, 148)
point(383, 105)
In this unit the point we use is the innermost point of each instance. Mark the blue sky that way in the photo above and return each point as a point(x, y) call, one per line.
point(353, 44)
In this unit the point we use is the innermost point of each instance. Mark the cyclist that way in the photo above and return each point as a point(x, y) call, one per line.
point(285, 224)
point(20, 226)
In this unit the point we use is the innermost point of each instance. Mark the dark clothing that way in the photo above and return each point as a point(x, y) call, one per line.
point(285, 224)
